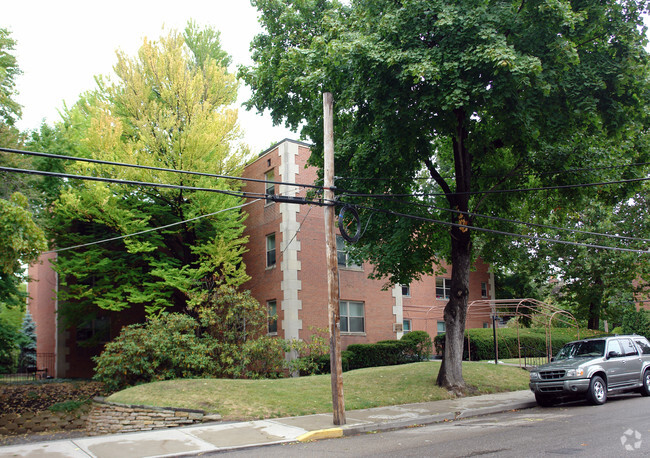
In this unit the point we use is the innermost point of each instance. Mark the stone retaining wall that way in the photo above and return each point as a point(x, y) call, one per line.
point(102, 418)
point(12, 424)
point(108, 417)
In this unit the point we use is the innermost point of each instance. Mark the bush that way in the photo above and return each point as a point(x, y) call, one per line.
point(383, 353)
point(68, 406)
point(8, 347)
point(636, 322)
point(420, 344)
point(413, 346)
point(163, 348)
point(323, 363)
point(533, 342)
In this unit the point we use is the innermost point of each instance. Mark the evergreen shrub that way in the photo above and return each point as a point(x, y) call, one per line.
point(163, 348)
point(533, 342)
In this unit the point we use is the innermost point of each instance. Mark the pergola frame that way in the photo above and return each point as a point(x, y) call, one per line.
point(494, 309)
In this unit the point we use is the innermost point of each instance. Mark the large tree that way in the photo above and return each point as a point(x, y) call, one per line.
point(595, 284)
point(167, 107)
point(21, 240)
point(476, 96)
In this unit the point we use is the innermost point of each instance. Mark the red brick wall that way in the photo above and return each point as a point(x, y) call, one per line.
point(263, 219)
point(42, 303)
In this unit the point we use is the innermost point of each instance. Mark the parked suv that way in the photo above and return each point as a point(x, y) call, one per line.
point(594, 368)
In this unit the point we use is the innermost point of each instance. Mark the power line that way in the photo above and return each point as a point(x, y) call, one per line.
point(149, 230)
point(511, 234)
point(247, 195)
point(541, 226)
point(297, 230)
point(496, 191)
point(552, 172)
point(127, 182)
point(159, 169)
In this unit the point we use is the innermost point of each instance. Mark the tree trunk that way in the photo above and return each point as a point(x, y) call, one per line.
point(593, 322)
point(451, 370)
point(594, 316)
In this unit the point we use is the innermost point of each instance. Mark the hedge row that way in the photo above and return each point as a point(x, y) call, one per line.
point(533, 342)
point(414, 346)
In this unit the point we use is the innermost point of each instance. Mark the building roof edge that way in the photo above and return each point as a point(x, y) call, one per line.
point(275, 145)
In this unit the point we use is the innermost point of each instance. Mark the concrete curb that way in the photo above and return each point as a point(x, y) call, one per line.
point(410, 423)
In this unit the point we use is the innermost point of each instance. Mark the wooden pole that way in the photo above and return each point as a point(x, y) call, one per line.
point(338, 403)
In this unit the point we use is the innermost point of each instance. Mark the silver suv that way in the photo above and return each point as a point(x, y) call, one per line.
point(594, 368)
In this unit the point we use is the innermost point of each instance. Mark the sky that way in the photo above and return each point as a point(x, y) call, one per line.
point(62, 45)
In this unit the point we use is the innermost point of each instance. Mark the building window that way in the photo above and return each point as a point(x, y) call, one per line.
point(486, 325)
point(484, 289)
point(352, 317)
point(272, 309)
point(442, 328)
point(96, 330)
point(406, 326)
point(443, 288)
point(406, 290)
point(342, 254)
point(269, 186)
point(270, 250)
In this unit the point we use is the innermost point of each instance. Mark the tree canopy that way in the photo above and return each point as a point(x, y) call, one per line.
point(10, 110)
point(444, 107)
point(167, 107)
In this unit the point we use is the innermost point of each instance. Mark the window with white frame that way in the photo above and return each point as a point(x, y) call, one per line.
point(269, 177)
point(484, 292)
point(443, 288)
point(406, 326)
point(342, 255)
point(442, 327)
point(272, 308)
point(406, 290)
point(269, 186)
point(352, 317)
point(270, 250)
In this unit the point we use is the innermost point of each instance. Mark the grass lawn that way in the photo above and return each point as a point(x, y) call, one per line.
point(363, 388)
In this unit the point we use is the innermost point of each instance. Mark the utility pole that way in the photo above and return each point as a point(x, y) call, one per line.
point(338, 403)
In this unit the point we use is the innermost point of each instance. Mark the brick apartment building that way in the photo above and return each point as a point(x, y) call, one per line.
point(286, 263)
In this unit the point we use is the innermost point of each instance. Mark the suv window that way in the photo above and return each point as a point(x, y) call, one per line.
point(643, 345)
point(614, 347)
point(589, 348)
point(628, 347)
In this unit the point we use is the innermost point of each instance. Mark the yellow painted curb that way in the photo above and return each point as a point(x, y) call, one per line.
point(321, 434)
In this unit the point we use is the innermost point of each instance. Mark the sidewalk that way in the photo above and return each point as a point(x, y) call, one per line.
point(194, 440)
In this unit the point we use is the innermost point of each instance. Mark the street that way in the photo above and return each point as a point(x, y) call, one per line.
point(619, 428)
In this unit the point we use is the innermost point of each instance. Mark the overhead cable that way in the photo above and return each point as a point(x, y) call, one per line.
point(537, 174)
point(159, 169)
point(58, 250)
point(495, 191)
point(512, 221)
point(246, 195)
point(511, 234)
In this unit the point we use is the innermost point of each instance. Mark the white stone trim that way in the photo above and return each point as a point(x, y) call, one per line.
point(398, 308)
point(289, 264)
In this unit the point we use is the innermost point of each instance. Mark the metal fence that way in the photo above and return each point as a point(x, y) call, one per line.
point(44, 369)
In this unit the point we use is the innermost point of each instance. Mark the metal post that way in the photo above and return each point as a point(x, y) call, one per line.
point(494, 334)
point(338, 403)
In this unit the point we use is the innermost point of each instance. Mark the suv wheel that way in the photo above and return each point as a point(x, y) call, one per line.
point(597, 393)
point(544, 400)
point(645, 389)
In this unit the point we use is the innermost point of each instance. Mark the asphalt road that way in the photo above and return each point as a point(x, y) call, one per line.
point(574, 429)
